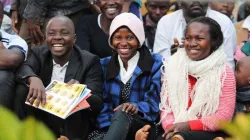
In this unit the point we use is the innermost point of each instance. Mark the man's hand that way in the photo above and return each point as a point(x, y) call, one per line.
point(35, 32)
point(182, 126)
point(36, 92)
point(72, 81)
point(1, 45)
point(14, 20)
point(176, 45)
point(128, 108)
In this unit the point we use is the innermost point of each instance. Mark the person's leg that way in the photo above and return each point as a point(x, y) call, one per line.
point(7, 86)
point(119, 127)
point(198, 135)
point(20, 108)
point(75, 127)
point(124, 126)
point(143, 133)
point(78, 126)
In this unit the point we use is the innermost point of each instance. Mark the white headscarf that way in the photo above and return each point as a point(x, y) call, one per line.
point(132, 22)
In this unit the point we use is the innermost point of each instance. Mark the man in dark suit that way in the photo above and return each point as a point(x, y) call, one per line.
point(63, 61)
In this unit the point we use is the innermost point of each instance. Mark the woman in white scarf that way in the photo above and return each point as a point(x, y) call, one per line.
point(198, 89)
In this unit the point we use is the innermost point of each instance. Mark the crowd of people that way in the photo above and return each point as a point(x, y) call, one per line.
point(174, 73)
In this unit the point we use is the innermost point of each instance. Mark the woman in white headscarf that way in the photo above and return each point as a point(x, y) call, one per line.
point(131, 82)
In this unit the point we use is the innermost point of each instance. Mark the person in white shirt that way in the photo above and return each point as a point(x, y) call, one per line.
point(13, 51)
point(172, 26)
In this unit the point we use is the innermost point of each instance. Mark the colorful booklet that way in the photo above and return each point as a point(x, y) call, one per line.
point(62, 100)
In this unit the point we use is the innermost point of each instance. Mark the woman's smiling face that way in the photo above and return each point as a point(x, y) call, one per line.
point(125, 43)
point(197, 43)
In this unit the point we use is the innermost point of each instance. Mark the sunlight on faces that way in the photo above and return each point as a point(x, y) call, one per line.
point(125, 43)
point(60, 36)
point(110, 8)
point(197, 41)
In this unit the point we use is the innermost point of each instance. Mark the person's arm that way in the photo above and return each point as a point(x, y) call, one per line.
point(149, 107)
point(83, 33)
point(226, 104)
point(93, 80)
point(162, 44)
point(93, 6)
point(14, 15)
point(30, 68)
point(35, 13)
point(15, 54)
point(10, 59)
point(27, 74)
point(107, 112)
point(224, 113)
point(230, 43)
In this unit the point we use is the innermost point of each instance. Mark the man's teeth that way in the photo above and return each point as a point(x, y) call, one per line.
point(57, 45)
point(111, 10)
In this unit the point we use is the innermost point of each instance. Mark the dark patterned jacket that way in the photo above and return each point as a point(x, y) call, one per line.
point(37, 10)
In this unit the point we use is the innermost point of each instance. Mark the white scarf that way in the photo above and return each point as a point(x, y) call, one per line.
point(210, 74)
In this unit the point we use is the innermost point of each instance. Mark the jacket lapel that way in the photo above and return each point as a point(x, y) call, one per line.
point(113, 67)
point(73, 67)
point(48, 68)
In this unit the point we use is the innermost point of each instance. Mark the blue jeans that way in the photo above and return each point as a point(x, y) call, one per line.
point(7, 88)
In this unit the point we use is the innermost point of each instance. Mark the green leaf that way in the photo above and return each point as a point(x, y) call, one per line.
point(13, 129)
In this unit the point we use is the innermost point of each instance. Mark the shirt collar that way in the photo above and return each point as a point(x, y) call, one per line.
point(133, 61)
point(65, 65)
point(145, 63)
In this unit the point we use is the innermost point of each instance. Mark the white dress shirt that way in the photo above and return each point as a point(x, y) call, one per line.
point(132, 63)
point(173, 25)
point(58, 72)
point(246, 23)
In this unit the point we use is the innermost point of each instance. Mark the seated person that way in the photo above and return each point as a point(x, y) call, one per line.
point(131, 82)
point(63, 61)
point(242, 76)
point(173, 25)
point(13, 51)
point(225, 7)
point(156, 10)
point(93, 30)
point(198, 89)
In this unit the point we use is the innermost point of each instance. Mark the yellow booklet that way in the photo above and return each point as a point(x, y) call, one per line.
point(62, 100)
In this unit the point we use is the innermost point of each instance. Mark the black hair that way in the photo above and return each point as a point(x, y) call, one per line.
point(215, 32)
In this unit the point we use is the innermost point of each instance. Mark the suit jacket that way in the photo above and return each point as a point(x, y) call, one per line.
point(83, 67)
point(242, 34)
